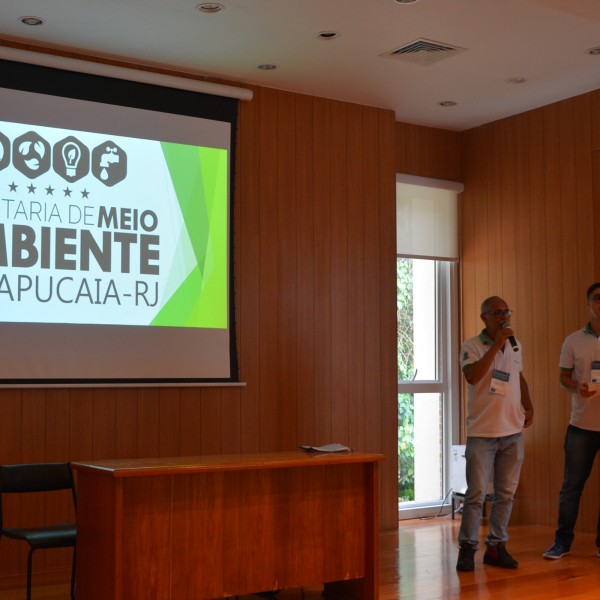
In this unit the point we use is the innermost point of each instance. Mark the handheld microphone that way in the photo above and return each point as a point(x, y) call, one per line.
point(511, 338)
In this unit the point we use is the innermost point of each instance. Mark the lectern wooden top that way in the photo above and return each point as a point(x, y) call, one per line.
point(134, 467)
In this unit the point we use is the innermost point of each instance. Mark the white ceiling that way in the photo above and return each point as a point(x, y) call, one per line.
point(544, 41)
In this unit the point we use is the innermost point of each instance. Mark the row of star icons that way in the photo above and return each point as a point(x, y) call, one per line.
point(49, 190)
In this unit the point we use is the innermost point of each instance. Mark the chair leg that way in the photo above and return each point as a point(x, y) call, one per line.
point(29, 562)
point(73, 577)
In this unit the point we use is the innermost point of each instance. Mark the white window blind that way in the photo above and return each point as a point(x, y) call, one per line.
point(427, 217)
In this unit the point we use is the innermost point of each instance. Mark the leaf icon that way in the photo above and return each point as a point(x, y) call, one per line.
point(24, 148)
point(33, 164)
point(40, 149)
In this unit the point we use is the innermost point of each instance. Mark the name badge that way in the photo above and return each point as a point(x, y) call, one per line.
point(499, 381)
point(596, 371)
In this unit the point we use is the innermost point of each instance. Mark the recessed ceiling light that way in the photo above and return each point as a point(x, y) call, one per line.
point(594, 51)
point(447, 103)
point(405, 1)
point(328, 35)
point(517, 80)
point(33, 21)
point(267, 67)
point(210, 7)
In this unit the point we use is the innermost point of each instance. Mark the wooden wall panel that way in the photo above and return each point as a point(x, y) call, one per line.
point(288, 214)
point(428, 152)
point(340, 282)
point(539, 378)
point(322, 353)
point(386, 429)
point(314, 251)
point(529, 208)
point(231, 423)
point(372, 411)
point(248, 284)
point(126, 422)
point(596, 215)
point(211, 418)
point(594, 99)
point(524, 509)
point(582, 207)
point(305, 287)
point(103, 424)
point(595, 133)
point(267, 269)
point(11, 447)
point(355, 324)
point(81, 419)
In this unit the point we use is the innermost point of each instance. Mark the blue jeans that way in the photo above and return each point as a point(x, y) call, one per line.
point(581, 447)
point(503, 457)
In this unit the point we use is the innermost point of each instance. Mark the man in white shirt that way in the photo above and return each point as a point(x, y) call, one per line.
point(580, 375)
point(499, 407)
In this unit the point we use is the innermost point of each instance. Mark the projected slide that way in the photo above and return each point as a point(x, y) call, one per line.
point(111, 230)
point(115, 221)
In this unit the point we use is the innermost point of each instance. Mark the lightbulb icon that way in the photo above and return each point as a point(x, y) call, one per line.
point(71, 154)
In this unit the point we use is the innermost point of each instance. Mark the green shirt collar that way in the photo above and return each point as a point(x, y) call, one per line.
point(485, 338)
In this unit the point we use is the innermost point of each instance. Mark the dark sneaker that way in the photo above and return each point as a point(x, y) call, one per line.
point(556, 551)
point(466, 558)
point(497, 556)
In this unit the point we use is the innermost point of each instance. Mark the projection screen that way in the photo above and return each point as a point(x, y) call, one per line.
point(115, 231)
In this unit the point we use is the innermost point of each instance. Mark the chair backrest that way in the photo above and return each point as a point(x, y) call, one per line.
point(44, 477)
point(40, 477)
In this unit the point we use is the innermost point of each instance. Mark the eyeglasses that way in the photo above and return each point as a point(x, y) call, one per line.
point(500, 313)
point(595, 297)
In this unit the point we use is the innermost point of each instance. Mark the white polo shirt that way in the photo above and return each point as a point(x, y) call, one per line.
point(578, 352)
point(492, 414)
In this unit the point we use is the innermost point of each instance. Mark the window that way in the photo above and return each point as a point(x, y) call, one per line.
point(426, 308)
point(427, 340)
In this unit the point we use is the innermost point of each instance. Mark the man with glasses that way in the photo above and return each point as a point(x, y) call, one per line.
point(499, 407)
point(580, 375)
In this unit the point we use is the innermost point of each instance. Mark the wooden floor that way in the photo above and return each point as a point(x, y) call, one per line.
point(418, 563)
point(421, 565)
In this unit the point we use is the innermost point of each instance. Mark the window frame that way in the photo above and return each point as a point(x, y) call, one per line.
point(446, 385)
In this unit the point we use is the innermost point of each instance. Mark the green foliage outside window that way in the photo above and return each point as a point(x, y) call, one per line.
point(406, 448)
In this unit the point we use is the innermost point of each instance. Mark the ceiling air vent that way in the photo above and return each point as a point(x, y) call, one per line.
point(424, 52)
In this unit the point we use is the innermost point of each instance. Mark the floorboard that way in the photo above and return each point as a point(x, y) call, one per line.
point(417, 562)
point(421, 565)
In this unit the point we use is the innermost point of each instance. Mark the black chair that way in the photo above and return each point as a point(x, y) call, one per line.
point(47, 477)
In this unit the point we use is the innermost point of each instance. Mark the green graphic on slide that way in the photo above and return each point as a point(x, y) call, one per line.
point(199, 176)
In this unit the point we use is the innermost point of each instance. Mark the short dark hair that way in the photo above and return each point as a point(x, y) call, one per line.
point(592, 289)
